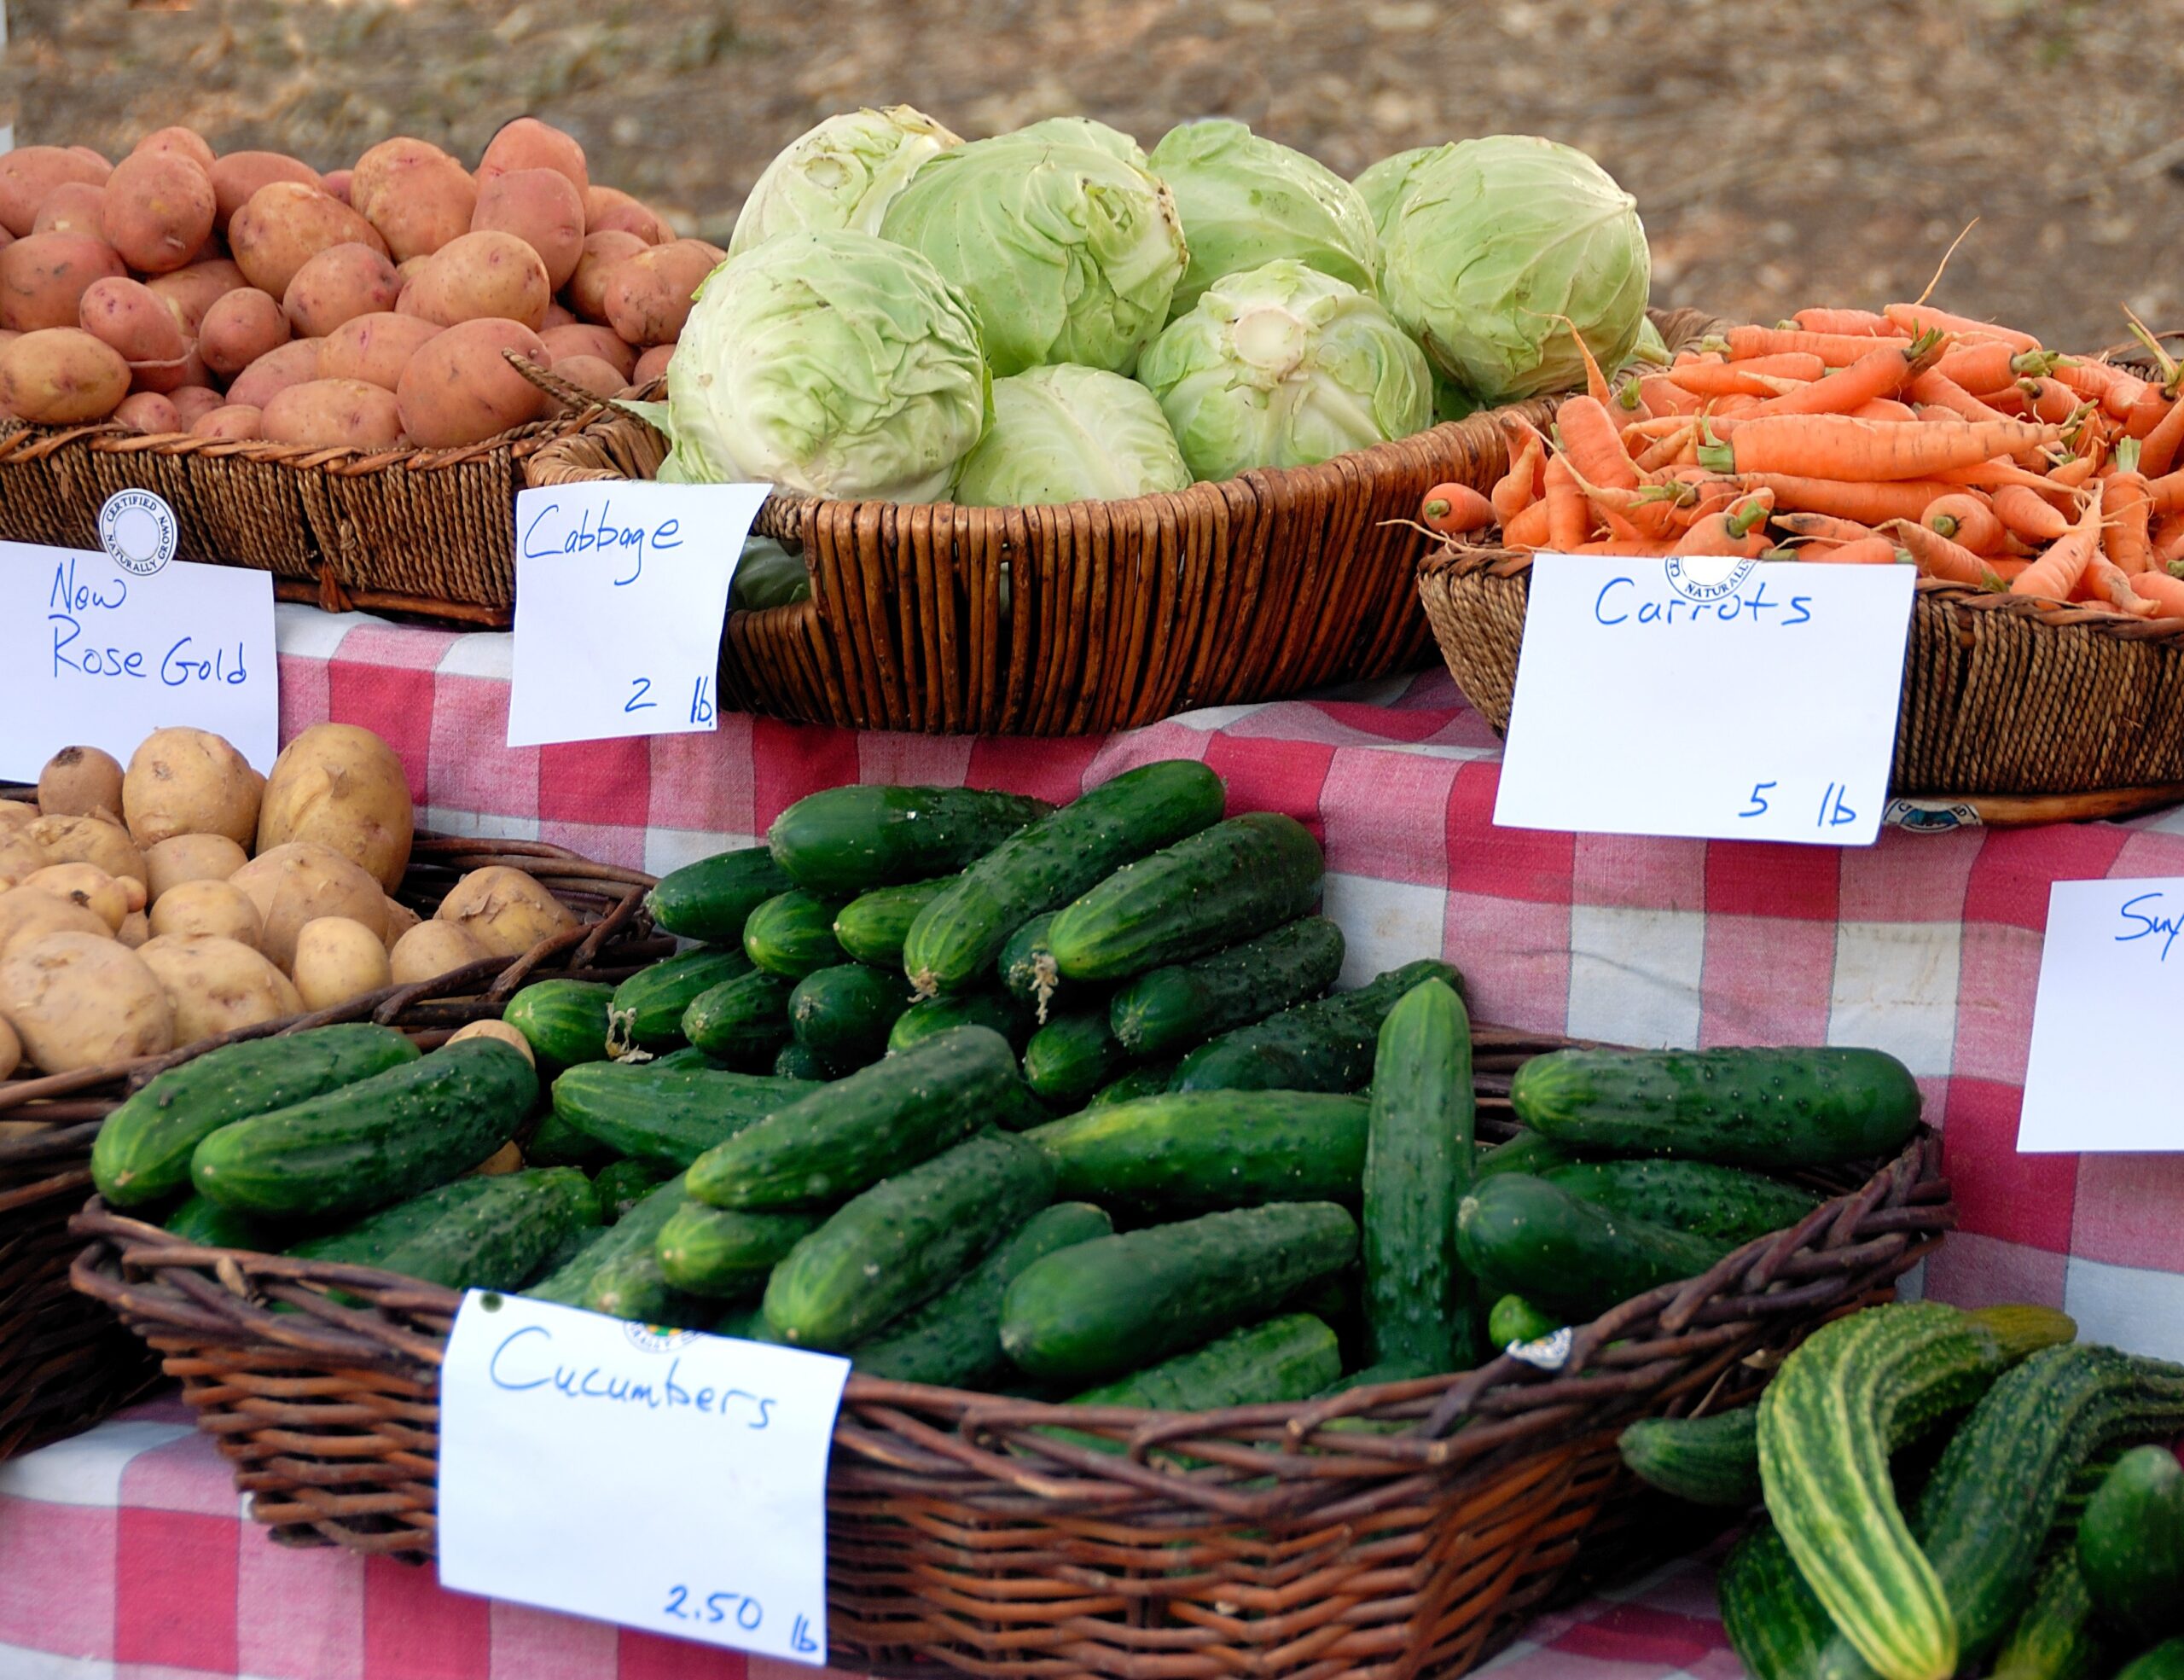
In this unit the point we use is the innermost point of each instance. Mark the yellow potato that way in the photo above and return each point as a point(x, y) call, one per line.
point(158, 210)
point(16, 814)
point(215, 907)
point(647, 296)
point(286, 225)
point(431, 204)
point(60, 376)
point(90, 840)
point(298, 882)
point(333, 414)
point(79, 782)
point(339, 786)
point(481, 276)
point(239, 174)
point(338, 959)
point(136, 928)
point(190, 858)
point(29, 173)
point(587, 286)
point(581, 339)
point(237, 422)
point(432, 949)
point(375, 347)
point(92, 887)
point(26, 914)
point(189, 292)
point(505, 1158)
point(11, 1050)
point(459, 389)
point(189, 781)
point(541, 208)
point(400, 919)
point(284, 365)
point(214, 986)
point(528, 143)
point(339, 284)
point(495, 1029)
point(242, 326)
point(20, 857)
point(506, 911)
point(82, 1000)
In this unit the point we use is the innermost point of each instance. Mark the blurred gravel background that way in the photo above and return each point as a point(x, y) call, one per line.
point(1782, 153)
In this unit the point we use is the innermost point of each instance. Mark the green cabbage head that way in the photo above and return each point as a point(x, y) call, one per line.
point(1383, 185)
point(1246, 201)
point(1067, 433)
point(1493, 238)
point(1283, 366)
point(1069, 253)
point(1082, 131)
point(831, 362)
point(842, 174)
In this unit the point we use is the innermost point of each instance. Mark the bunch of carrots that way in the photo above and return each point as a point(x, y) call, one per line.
point(1847, 437)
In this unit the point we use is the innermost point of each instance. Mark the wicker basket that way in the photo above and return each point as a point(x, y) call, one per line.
point(2033, 711)
point(63, 1364)
point(958, 1530)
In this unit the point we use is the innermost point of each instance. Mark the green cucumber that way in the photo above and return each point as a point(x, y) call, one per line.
point(847, 840)
point(1179, 1007)
point(930, 1015)
point(1288, 1358)
point(1522, 1235)
point(143, 1152)
point(873, 925)
point(905, 1240)
point(794, 935)
point(376, 1142)
point(1419, 1302)
point(1324, 1045)
point(2055, 1638)
point(840, 1139)
point(716, 1253)
point(1027, 967)
point(647, 1012)
point(631, 1237)
point(1072, 1056)
point(671, 1115)
point(472, 1234)
point(1149, 1080)
point(1231, 881)
point(204, 1222)
point(744, 1321)
point(1775, 1625)
point(688, 1060)
point(1527, 1152)
point(1727, 1203)
point(2164, 1662)
point(565, 1021)
point(1104, 1307)
point(845, 1013)
point(2131, 1545)
point(953, 1341)
point(555, 1143)
point(1771, 1109)
point(796, 1061)
point(711, 899)
point(633, 1286)
point(1194, 1152)
point(1708, 1461)
point(1053, 860)
point(743, 1021)
point(1515, 1320)
point(621, 1185)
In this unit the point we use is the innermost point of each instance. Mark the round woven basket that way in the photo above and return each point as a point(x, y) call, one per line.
point(63, 1364)
point(1385, 1531)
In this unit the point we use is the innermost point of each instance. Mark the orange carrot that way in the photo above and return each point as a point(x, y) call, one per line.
point(1734, 379)
point(2166, 493)
point(1935, 555)
point(2125, 538)
point(1567, 521)
point(1837, 350)
point(1738, 529)
point(1881, 372)
point(2074, 473)
point(2168, 541)
point(1624, 546)
point(1663, 452)
point(1663, 396)
point(1993, 474)
point(2050, 399)
point(1455, 509)
point(1966, 519)
point(1528, 529)
point(2025, 513)
point(1520, 487)
point(2165, 593)
point(1912, 319)
point(1865, 551)
point(1595, 447)
point(1883, 408)
point(1836, 446)
point(2148, 412)
point(1825, 527)
point(1867, 504)
point(2113, 587)
point(2006, 569)
point(2117, 390)
point(1850, 322)
point(2057, 571)
point(1936, 388)
point(2157, 446)
point(1991, 364)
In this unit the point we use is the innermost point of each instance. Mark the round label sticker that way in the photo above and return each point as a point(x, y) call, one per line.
point(657, 1338)
point(1707, 577)
point(136, 528)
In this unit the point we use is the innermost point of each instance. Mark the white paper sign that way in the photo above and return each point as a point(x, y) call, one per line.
point(1720, 699)
point(659, 1479)
point(621, 590)
point(93, 655)
point(2112, 955)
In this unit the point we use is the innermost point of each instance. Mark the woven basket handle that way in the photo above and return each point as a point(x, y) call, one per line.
point(575, 397)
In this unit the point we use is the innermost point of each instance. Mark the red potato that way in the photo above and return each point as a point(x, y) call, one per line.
point(237, 176)
point(459, 389)
point(587, 286)
point(273, 372)
point(62, 376)
point(158, 210)
point(284, 225)
point(192, 402)
point(336, 182)
point(653, 364)
point(528, 143)
point(74, 206)
point(97, 159)
point(588, 373)
point(239, 328)
point(29, 173)
point(237, 422)
point(429, 206)
point(339, 284)
point(559, 314)
point(334, 412)
point(580, 339)
point(607, 211)
point(148, 412)
point(180, 143)
point(189, 292)
point(130, 316)
point(43, 278)
point(541, 208)
point(647, 296)
point(165, 378)
point(480, 276)
point(373, 347)
point(385, 168)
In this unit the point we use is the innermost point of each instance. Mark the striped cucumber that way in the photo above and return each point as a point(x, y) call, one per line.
point(721, 1253)
point(471, 1233)
point(873, 925)
point(1004, 1015)
point(1708, 1461)
point(794, 935)
point(1195, 1152)
point(744, 1021)
point(1072, 1056)
point(847, 840)
point(1325, 1045)
point(565, 1021)
point(671, 1114)
point(646, 1010)
point(1293, 1357)
point(845, 1013)
point(1044, 866)
point(1179, 1007)
point(711, 899)
point(1727, 1203)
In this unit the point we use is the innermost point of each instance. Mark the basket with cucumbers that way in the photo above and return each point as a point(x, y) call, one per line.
point(1139, 1232)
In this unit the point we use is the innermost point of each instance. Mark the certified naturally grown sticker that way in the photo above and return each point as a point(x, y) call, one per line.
point(137, 530)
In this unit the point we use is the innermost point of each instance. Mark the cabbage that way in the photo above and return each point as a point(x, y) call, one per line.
point(1082, 131)
point(842, 174)
point(1283, 366)
point(1068, 253)
point(831, 362)
point(1067, 433)
point(1246, 201)
point(1495, 237)
point(1383, 186)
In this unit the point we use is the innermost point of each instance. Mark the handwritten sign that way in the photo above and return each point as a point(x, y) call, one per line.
point(659, 1479)
point(94, 655)
point(2113, 955)
point(1722, 699)
point(620, 593)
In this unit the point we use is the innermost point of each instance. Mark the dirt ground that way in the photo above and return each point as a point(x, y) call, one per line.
point(1783, 152)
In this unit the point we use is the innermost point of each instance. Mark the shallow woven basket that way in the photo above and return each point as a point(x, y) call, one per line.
point(63, 1365)
point(2003, 695)
point(957, 1531)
